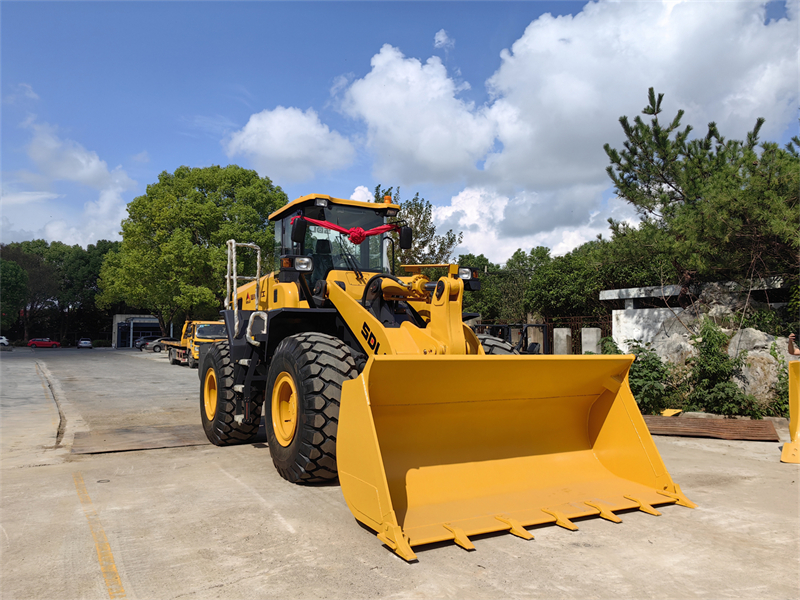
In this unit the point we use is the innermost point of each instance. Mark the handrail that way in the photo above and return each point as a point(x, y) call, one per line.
point(232, 279)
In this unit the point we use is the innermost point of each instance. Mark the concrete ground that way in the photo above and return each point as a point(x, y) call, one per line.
point(197, 521)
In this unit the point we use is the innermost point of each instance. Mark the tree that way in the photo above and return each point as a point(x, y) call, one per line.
point(42, 280)
point(427, 247)
point(487, 301)
point(719, 209)
point(173, 254)
point(13, 292)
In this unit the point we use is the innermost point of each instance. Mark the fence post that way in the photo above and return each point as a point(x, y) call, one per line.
point(590, 340)
point(562, 340)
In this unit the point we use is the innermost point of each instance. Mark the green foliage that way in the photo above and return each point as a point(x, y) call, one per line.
point(427, 247)
point(649, 379)
point(773, 322)
point(173, 255)
point(61, 285)
point(716, 208)
point(13, 292)
point(609, 346)
point(780, 404)
point(570, 285)
point(712, 376)
point(489, 299)
point(794, 300)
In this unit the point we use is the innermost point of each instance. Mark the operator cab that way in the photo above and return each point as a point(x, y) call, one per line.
point(328, 248)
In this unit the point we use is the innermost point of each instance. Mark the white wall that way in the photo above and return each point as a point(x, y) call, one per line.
point(642, 324)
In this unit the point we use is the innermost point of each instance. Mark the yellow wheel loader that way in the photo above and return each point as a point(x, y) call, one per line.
point(434, 433)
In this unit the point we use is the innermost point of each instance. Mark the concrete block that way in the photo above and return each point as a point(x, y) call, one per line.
point(562, 340)
point(590, 340)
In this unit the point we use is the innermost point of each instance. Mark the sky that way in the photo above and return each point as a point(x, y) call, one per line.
point(495, 112)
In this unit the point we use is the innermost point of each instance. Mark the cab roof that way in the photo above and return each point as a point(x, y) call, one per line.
point(311, 198)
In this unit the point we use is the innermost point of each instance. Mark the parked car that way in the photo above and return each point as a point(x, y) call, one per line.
point(85, 343)
point(43, 343)
point(3, 341)
point(139, 342)
point(158, 344)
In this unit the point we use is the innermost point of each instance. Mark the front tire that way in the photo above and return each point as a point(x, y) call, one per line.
point(304, 388)
point(494, 345)
point(156, 348)
point(218, 401)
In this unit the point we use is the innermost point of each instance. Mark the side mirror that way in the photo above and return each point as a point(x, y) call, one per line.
point(299, 231)
point(405, 238)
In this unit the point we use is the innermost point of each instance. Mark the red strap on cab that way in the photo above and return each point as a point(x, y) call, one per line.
point(356, 234)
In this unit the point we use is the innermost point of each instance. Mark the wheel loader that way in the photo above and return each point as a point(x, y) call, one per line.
point(435, 433)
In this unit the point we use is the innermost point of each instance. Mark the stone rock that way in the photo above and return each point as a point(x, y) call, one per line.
point(675, 348)
point(749, 340)
point(760, 375)
point(721, 299)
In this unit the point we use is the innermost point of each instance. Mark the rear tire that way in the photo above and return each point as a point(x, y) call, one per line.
point(218, 401)
point(494, 345)
point(156, 348)
point(304, 388)
point(173, 359)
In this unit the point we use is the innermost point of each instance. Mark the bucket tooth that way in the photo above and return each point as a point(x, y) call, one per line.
point(644, 506)
point(394, 537)
point(605, 512)
point(561, 519)
point(515, 527)
point(459, 537)
point(679, 497)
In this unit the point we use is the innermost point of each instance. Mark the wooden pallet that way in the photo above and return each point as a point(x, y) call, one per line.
point(724, 429)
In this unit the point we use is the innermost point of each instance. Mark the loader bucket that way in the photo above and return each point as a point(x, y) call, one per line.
point(440, 448)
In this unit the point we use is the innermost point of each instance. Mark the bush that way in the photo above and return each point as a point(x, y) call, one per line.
point(609, 346)
point(778, 322)
point(712, 376)
point(650, 380)
point(780, 403)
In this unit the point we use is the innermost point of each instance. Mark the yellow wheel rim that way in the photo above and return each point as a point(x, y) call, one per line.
point(210, 394)
point(284, 409)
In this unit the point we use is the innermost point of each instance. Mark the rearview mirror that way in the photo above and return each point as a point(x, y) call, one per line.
point(405, 238)
point(299, 230)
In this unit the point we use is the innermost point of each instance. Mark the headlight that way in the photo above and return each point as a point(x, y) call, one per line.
point(391, 212)
point(321, 202)
point(465, 273)
point(303, 263)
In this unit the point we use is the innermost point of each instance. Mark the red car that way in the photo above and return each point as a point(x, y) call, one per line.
point(43, 343)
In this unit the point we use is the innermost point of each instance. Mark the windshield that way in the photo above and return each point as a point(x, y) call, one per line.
point(333, 250)
point(209, 332)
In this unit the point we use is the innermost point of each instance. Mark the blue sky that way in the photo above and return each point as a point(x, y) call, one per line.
point(496, 112)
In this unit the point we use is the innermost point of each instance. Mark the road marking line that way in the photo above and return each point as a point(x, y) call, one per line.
point(104, 556)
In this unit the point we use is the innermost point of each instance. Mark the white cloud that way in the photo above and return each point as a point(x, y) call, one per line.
point(562, 86)
point(21, 92)
point(67, 160)
point(289, 144)
point(442, 40)
point(362, 194)
point(417, 129)
point(534, 151)
point(59, 216)
point(19, 198)
point(482, 214)
point(142, 157)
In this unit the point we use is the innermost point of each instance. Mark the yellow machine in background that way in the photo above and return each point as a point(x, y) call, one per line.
point(791, 450)
point(193, 336)
point(435, 433)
